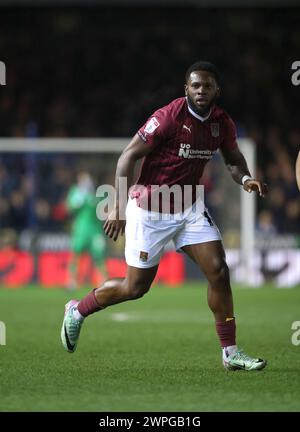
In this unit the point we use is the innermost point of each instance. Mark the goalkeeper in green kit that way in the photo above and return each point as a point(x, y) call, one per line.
point(87, 233)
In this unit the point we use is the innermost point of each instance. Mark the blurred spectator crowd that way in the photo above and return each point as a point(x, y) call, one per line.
point(102, 72)
point(33, 187)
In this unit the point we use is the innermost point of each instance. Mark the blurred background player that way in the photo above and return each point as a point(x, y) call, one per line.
point(87, 233)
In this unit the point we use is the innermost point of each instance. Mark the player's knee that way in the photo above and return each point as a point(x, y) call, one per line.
point(219, 271)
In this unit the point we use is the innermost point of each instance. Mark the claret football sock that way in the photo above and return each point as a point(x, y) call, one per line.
point(226, 332)
point(88, 305)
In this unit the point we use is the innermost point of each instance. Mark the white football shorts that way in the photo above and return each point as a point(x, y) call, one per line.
point(147, 233)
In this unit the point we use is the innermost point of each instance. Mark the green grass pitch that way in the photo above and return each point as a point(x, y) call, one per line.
point(159, 353)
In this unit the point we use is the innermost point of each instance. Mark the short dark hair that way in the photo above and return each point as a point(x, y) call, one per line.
point(203, 66)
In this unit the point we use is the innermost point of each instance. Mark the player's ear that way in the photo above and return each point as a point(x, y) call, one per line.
point(185, 89)
point(218, 91)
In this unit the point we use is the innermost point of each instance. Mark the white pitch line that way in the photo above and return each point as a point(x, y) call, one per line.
point(120, 317)
point(158, 318)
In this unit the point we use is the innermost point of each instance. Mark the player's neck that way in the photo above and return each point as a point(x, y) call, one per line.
point(200, 117)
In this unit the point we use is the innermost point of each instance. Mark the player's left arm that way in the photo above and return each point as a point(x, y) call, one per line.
point(298, 170)
point(238, 168)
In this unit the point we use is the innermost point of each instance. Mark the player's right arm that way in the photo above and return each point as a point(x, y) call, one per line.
point(136, 149)
point(298, 170)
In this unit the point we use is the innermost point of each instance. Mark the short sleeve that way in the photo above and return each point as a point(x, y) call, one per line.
point(154, 131)
point(230, 137)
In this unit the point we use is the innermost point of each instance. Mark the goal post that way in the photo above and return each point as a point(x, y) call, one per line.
point(248, 217)
point(63, 145)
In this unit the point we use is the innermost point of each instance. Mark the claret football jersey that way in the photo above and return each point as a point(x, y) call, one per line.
point(182, 143)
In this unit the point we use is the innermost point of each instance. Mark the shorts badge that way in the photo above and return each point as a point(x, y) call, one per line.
point(143, 256)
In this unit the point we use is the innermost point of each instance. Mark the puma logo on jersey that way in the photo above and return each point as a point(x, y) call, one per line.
point(187, 127)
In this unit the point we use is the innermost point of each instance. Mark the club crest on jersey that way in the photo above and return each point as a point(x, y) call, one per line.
point(152, 124)
point(215, 129)
point(143, 256)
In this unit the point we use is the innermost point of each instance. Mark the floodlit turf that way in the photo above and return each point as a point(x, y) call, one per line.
point(159, 353)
